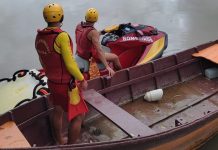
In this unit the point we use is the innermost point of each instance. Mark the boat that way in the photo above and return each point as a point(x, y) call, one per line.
point(119, 117)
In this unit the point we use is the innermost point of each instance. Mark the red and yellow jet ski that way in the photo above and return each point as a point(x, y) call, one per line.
point(135, 44)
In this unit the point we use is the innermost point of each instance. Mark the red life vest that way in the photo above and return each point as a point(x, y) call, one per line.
point(85, 47)
point(51, 61)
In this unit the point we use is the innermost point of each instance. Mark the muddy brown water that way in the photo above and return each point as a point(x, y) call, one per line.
point(187, 22)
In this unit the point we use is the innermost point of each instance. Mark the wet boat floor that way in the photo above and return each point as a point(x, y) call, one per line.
point(181, 104)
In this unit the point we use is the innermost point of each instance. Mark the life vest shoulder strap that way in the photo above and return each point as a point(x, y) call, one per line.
point(50, 31)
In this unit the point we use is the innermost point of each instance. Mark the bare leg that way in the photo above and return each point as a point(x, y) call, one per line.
point(57, 124)
point(114, 58)
point(74, 129)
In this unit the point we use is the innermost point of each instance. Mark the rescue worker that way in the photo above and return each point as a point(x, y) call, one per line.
point(55, 50)
point(88, 45)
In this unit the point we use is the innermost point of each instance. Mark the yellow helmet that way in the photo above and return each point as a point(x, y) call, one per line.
point(53, 12)
point(91, 15)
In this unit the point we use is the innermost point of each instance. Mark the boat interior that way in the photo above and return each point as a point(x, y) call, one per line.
point(117, 109)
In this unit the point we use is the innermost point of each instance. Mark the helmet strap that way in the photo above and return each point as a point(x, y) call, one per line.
point(55, 24)
point(89, 23)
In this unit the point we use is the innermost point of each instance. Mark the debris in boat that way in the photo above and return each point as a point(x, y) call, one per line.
point(211, 73)
point(170, 105)
point(177, 96)
point(95, 131)
point(180, 121)
point(157, 110)
point(205, 113)
point(87, 138)
point(154, 95)
point(163, 127)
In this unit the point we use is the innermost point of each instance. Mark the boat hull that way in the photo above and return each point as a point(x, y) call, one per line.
point(128, 86)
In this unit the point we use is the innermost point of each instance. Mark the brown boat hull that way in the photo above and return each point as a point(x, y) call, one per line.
point(127, 86)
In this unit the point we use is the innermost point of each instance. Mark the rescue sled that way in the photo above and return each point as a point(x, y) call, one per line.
point(185, 118)
point(22, 87)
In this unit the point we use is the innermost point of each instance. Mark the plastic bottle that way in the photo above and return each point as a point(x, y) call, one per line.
point(154, 95)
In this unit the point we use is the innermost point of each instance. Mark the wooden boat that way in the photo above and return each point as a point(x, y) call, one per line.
point(185, 118)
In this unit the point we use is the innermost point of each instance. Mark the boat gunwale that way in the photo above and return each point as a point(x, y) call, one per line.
point(159, 136)
point(151, 140)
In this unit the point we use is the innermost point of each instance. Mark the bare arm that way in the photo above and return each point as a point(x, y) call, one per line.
point(94, 37)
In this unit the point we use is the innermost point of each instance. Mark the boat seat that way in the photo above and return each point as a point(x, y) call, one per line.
point(11, 136)
point(125, 121)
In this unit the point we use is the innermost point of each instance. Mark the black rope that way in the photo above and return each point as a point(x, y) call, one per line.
point(7, 79)
point(14, 75)
point(17, 72)
point(21, 102)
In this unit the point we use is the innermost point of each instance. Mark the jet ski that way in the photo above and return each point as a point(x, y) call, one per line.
point(135, 44)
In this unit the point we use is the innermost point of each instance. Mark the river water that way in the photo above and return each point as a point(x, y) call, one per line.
point(187, 22)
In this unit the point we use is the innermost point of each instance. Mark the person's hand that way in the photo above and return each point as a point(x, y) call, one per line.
point(83, 85)
point(110, 71)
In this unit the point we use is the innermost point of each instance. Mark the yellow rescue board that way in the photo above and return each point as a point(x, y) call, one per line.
point(12, 92)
